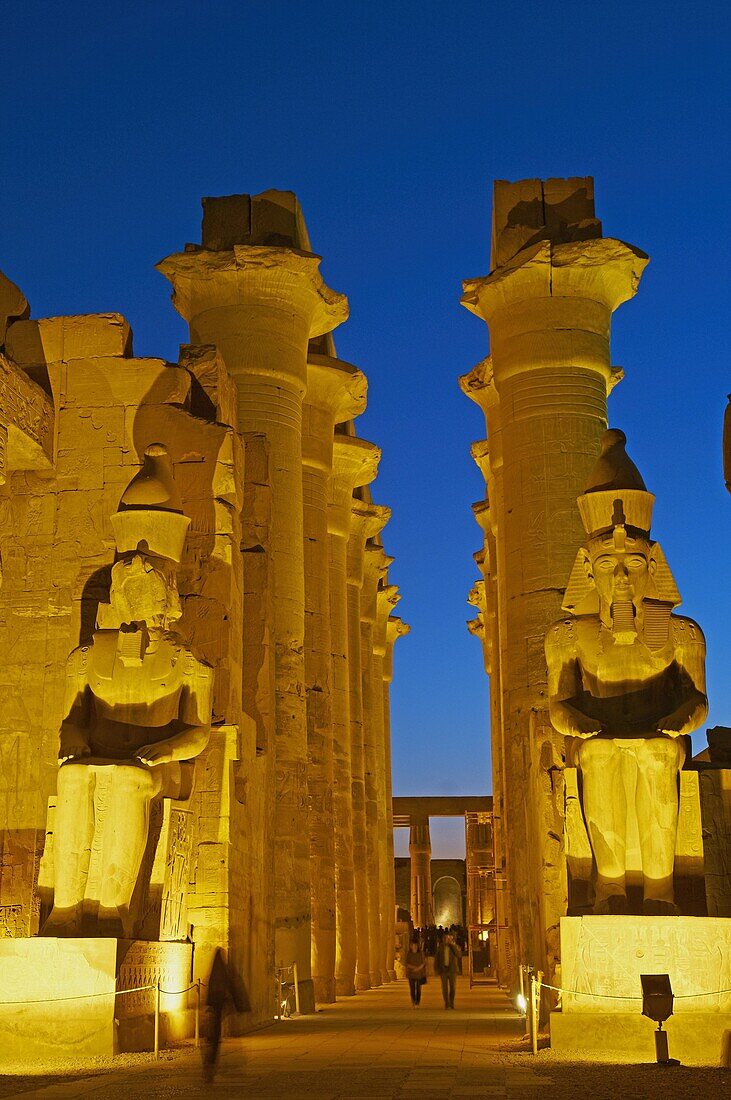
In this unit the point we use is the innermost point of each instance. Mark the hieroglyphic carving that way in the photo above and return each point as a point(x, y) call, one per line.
point(25, 408)
point(606, 956)
point(173, 916)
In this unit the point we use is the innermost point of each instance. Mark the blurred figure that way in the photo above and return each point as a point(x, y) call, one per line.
point(446, 965)
point(223, 991)
point(415, 966)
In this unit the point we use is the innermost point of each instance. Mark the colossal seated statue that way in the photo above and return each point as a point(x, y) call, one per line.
point(137, 710)
point(626, 680)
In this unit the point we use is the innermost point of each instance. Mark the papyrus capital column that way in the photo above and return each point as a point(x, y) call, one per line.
point(260, 304)
point(355, 463)
point(367, 520)
point(336, 392)
point(420, 853)
point(375, 567)
point(548, 303)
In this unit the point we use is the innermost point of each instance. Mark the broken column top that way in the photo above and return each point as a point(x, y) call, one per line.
point(528, 211)
point(271, 218)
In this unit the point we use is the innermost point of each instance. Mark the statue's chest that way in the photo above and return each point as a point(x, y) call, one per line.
point(608, 663)
point(121, 678)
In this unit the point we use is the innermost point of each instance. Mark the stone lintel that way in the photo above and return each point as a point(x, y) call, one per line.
point(62, 339)
point(530, 210)
point(27, 415)
point(418, 807)
point(253, 275)
point(270, 218)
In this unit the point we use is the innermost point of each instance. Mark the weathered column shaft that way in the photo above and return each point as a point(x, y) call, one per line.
point(386, 599)
point(375, 565)
point(355, 463)
point(260, 305)
point(420, 852)
point(335, 392)
point(367, 520)
point(395, 628)
point(548, 304)
point(479, 860)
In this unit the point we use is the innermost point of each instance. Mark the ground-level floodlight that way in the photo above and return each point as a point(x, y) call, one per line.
point(657, 1005)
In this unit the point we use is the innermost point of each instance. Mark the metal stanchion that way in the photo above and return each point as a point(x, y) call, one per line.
point(296, 989)
point(198, 1013)
point(535, 1000)
point(157, 1019)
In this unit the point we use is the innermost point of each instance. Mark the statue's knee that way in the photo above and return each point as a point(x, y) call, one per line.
point(73, 779)
point(132, 781)
point(660, 754)
point(596, 753)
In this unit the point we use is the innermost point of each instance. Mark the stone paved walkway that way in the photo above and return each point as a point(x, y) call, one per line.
point(376, 1046)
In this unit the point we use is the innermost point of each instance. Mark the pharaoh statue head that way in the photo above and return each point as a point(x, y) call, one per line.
point(149, 530)
point(620, 573)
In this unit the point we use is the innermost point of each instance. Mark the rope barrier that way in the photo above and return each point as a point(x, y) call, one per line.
point(615, 997)
point(90, 996)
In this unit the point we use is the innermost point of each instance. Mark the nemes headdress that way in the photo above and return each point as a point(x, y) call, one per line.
point(616, 501)
point(150, 515)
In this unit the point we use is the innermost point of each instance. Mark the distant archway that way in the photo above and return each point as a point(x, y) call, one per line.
point(447, 898)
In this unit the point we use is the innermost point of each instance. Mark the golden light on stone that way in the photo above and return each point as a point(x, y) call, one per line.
point(184, 612)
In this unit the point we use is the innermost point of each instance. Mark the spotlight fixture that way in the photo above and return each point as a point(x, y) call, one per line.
point(657, 1005)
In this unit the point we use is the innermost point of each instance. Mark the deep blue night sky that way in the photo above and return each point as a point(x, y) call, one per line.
point(390, 120)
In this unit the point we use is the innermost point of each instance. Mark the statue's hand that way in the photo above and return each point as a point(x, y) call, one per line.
point(583, 726)
point(73, 746)
point(673, 724)
point(157, 753)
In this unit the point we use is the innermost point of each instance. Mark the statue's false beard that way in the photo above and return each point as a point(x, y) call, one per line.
point(624, 628)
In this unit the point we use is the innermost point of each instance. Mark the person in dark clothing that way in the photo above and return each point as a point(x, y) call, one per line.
point(223, 990)
point(415, 966)
point(446, 965)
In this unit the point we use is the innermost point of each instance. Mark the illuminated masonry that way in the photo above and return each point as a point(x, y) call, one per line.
point(276, 751)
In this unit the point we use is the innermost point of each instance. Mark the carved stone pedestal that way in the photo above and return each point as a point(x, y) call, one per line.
point(70, 1000)
point(602, 959)
point(47, 973)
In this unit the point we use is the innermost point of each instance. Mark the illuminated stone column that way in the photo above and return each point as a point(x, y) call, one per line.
point(395, 628)
point(366, 522)
point(260, 304)
point(479, 859)
point(336, 392)
point(386, 599)
point(548, 303)
point(420, 851)
point(375, 566)
point(355, 463)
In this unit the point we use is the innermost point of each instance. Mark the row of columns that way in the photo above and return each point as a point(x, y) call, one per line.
point(262, 305)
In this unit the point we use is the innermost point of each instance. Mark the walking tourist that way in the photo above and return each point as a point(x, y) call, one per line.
point(446, 965)
point(223, 991)
point(415, 965)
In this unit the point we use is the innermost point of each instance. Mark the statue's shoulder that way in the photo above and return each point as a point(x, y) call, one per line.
point(561, 635)
point(686, 631)
point(78, 660)
point(193, 667)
